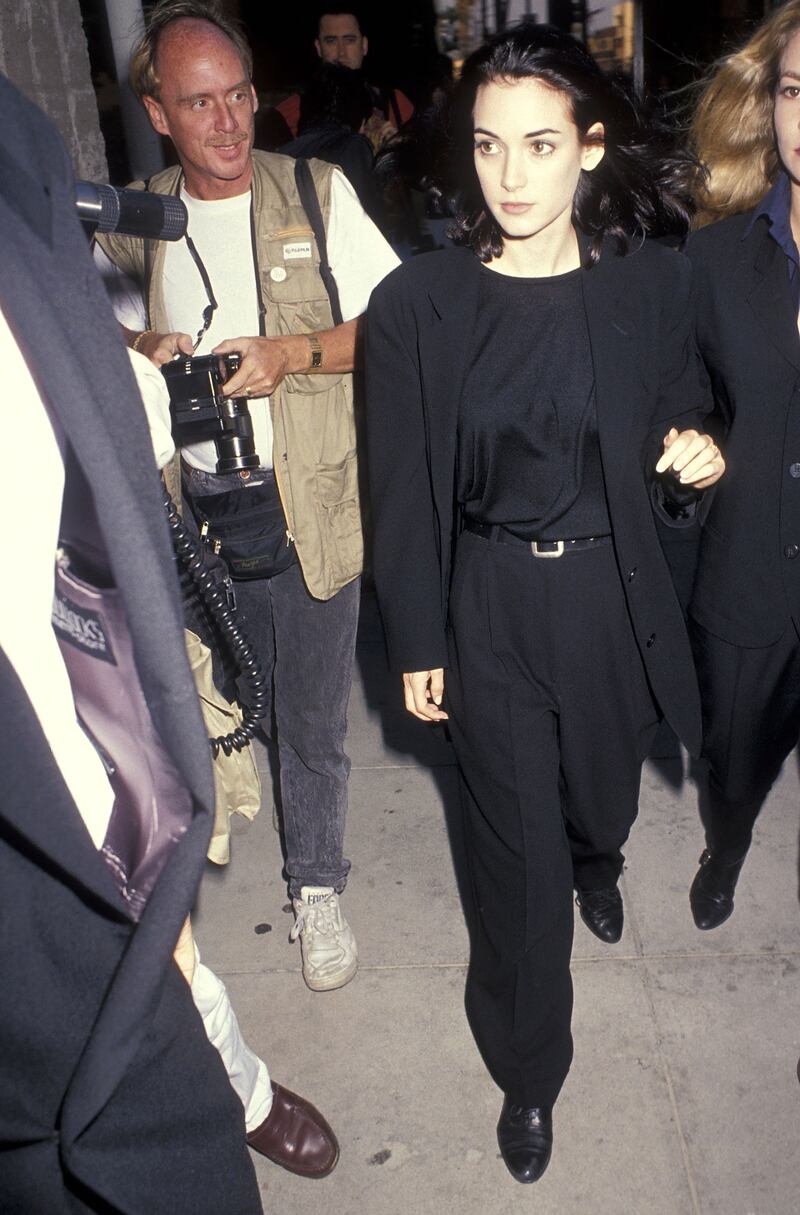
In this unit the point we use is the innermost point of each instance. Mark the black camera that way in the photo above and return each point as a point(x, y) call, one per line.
point(200, 410)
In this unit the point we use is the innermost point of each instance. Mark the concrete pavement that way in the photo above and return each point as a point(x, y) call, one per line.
point(683, 1097)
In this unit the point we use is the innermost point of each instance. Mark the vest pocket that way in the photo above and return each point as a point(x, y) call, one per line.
point(340, 515)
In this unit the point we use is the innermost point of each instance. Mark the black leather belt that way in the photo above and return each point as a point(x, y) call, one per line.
point(539, 548)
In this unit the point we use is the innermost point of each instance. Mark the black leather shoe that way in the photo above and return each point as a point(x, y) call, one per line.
point(711, 894)
point(601, 912)
point(525, 1137)
point(296, 1136)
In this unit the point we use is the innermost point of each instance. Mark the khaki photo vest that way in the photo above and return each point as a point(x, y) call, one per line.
point(314, 448)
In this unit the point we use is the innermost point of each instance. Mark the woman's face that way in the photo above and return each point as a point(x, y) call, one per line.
point(787, 109)
point(529, 156)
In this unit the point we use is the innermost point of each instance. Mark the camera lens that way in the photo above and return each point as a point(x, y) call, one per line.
point(235, 446)
point(235, 452)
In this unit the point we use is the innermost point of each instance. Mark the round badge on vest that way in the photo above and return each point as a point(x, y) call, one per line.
point(278, 274)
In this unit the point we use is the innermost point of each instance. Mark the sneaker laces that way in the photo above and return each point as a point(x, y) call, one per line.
point(320, 917)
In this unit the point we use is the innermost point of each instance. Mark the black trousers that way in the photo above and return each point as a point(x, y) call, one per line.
point(551, 717)
point(751, 721)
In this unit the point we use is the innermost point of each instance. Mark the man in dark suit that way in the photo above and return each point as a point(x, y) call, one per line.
point(111, 1097)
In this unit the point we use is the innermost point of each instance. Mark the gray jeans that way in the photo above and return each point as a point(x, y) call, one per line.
point(308, 647)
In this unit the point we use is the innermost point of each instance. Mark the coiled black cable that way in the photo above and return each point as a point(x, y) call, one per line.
point(189, 550)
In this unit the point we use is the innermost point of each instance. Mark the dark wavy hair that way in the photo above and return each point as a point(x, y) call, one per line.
point(335, 95)
point(641, 187)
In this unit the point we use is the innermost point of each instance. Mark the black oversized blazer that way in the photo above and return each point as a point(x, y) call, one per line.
point(747, 589)
point(647, 378)
point(100, 1044)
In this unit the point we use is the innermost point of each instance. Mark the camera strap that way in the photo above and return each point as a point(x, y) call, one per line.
point(148, 265)
point(212, 305)
point(310, 201)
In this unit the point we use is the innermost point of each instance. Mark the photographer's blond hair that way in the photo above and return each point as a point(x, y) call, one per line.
point(143, 70)
point(732, 129)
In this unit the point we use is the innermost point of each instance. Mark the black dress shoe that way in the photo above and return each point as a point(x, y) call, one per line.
point(296, 1136)
point(601, 912)
point(525, 1137)
point(711, 894)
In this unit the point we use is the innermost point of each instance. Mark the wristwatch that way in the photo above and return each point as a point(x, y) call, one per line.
point(316, 352)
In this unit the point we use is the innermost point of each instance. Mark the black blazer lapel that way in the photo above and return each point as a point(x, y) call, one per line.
point(38, 813)
point(84, 373)
point(612, 337)
point(443, 366)
point(27, 195)
point(769, 294)
point(27, 198)
point(444, 361)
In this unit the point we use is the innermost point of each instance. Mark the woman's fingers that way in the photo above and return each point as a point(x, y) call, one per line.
point(707, 466)
point(678, 450)
point(423, 691)
point(692, 456)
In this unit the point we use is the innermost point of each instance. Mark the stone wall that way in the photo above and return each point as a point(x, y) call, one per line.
point(43, 51)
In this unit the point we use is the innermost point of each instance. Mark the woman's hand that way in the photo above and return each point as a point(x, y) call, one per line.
point(693, 457)
point(423, 691)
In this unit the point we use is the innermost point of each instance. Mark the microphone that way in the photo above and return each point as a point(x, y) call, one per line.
point(104, 208)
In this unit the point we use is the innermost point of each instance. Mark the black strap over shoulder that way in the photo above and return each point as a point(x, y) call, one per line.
point(148, 267)
point(308, 197)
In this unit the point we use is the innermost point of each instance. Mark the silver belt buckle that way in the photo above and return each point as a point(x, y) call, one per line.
point(558, 552)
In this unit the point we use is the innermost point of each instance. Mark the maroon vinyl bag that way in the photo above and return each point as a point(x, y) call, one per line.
point(152, 805)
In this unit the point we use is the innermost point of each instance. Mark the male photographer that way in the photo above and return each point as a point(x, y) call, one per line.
point(247, 281)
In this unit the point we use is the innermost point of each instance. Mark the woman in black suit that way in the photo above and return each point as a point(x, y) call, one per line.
point(535, 395)
point(745, 609)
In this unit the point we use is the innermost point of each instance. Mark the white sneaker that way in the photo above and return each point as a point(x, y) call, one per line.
point(330, 957)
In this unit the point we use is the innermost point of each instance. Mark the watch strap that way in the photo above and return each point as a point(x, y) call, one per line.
point(316, 352)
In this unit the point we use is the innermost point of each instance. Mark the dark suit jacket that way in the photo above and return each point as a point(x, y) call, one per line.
point(111, 1097)
point(647, 378)
point(747, 588)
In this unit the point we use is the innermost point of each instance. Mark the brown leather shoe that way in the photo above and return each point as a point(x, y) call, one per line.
point(296, 1136)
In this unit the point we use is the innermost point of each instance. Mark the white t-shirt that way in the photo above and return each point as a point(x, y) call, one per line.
point(359, 257)
point(26, 607)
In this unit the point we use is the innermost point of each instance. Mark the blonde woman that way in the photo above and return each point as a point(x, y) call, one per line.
point(745, 609)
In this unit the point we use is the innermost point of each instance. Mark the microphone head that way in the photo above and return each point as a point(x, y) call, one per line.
point(130, 212)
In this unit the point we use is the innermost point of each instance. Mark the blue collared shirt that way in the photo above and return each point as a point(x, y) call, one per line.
point(776, 207)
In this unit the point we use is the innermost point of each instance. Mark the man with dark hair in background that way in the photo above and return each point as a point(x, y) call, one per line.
point(341, 38)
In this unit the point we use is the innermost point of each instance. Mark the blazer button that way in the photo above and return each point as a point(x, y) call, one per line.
point(794, 470)
point(651, 641)
point(632, 574)
point(791, 551)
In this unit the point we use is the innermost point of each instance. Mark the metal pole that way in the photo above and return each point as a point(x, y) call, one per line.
point(638, 48)
point(126, 24)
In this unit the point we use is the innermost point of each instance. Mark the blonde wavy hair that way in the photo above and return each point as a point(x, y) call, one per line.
point(732, 131)
point(143, 71)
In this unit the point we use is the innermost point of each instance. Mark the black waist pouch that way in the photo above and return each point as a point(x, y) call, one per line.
point(247, 528)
